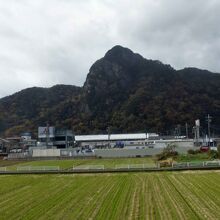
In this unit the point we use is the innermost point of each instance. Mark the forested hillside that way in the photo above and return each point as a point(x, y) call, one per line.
point(122, 90)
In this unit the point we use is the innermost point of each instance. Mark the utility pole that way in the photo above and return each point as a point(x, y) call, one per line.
point(109, 134)
point(175, 132)
point(209, 120)
point(179, 130)
point(187, 134)
point(47, 135)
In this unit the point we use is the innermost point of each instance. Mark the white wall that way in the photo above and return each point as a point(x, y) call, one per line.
point(135, 152)
point(46, 152)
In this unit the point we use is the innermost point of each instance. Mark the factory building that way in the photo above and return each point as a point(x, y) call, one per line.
point(17, 144)
point(4, 145)
point(51, 137)
point(113, 140)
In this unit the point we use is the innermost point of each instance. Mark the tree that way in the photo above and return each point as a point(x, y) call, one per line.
point(168, 151)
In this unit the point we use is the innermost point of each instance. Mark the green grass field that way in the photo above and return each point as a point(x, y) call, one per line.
point(177, 195)
point(193, 157)
point(68, 164)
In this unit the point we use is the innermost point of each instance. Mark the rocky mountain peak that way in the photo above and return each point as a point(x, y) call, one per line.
point(122, 55)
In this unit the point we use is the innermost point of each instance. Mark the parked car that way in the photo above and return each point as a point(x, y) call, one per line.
point(204, 148)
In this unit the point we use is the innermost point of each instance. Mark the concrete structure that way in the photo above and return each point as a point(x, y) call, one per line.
point(46, 153)
point(163, 143)
point(111, 153)
point(50, 137)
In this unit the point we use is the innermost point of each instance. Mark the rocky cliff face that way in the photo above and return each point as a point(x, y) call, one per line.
point(122, 90)
point(130, 93)
point(116, 76)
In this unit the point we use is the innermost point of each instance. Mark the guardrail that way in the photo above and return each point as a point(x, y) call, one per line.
point(134, 166)
point(3, 169)
point(38, 168)
point(97, 168)
point(196, 164)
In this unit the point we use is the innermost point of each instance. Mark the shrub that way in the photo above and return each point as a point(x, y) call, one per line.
point(213, 154)
point(198, 151)
point(168, 152)
point(191, 151)
point(218, 150)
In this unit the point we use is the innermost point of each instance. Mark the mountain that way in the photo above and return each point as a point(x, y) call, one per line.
point(122, 90)
point(136, 94)
point(27, 109)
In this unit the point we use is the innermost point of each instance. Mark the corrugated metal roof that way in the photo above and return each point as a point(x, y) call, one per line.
point(128, 136)
point(112, 137)
point(91, 137)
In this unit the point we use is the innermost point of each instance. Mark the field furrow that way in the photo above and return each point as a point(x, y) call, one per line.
point(176, 195)
point(178, 207)
point(191, 196)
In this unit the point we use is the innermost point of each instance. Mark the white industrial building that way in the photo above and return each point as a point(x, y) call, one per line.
point(113, 140)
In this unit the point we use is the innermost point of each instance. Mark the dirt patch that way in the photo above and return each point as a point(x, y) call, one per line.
point(199, 171)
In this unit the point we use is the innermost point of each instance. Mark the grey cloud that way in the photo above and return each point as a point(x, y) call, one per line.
point(182, 33)
point(49, 42)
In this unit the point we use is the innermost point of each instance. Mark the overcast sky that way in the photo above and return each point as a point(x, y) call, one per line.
point(47, 42)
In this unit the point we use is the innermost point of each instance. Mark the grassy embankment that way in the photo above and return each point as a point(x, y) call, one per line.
point(108, 163)
point(68, 164)
point(193, 157)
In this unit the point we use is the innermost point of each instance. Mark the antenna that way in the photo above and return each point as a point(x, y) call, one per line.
point(209, 120)
point(196, 131)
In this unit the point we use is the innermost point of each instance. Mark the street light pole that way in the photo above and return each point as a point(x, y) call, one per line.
point(209, 120)
point(109, 136)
